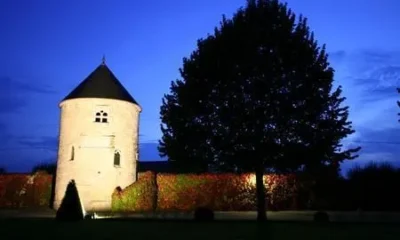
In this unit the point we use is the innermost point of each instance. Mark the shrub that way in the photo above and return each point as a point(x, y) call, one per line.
point(203, 214)
point(70, 208)
point(139, 196)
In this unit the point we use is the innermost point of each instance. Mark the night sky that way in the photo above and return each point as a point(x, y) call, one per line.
point(47, 47)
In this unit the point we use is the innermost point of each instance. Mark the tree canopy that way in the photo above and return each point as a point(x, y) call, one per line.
point(260, 84)
point(257, 93)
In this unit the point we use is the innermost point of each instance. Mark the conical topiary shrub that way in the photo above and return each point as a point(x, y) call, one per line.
point(70, 208)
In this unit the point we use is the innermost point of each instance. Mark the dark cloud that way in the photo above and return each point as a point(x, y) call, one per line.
point(377, 70)
point(377, 146)
point(148, 150)
point(381, 81)
point(386, 140)
point(337, 56)
point(5, 136)
point(374, 90)
point(370, 78)
point(44, 142)
point(15, 94)
point(377, 56)
point(9, 83)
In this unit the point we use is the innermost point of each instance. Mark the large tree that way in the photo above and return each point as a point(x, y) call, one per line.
point(256, 94)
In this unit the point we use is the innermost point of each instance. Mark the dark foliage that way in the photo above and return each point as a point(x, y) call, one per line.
point(203, 214)
point(53, 190)
point(3, 170)
point(50, 168)
point(256, 94)
point(374, 187)
point(70, 208)
point(321, 217)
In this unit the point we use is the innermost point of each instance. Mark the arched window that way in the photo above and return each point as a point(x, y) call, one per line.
point(72, 153)
point(101, 117)
point(117, 159)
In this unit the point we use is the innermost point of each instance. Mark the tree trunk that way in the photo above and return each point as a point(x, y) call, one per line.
point(261, 206)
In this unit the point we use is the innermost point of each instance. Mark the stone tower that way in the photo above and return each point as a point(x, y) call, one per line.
point(98, 141)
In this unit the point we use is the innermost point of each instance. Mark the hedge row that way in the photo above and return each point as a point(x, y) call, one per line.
point(163, 192)
point(24, 190)
point(138, 197)
point(185, 192)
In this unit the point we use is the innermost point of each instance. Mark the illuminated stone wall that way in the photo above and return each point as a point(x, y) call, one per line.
point(87, 149)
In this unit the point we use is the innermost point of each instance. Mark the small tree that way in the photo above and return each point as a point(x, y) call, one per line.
point(255, 95)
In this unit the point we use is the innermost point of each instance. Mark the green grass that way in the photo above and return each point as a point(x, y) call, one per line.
point(232, 230)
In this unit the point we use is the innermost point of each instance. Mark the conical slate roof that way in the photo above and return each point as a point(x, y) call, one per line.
point(101, 83)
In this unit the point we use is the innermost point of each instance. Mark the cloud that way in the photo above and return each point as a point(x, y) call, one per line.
point(45, 142)
point(337, 56)
point(148, 150)
point(5, 136)
point(15, 94)
point(369, 79)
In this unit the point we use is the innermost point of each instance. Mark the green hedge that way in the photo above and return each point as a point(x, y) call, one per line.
point(163, 192)
point(186, 192)
point(138, 197)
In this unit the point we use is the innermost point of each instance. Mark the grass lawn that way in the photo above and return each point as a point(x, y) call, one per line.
point(233, 230)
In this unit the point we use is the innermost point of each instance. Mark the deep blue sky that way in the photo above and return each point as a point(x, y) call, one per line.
point(47, 47)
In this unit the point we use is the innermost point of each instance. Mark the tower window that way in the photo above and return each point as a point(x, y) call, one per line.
point(101, 117)
point(72, 153)
point(117, 159)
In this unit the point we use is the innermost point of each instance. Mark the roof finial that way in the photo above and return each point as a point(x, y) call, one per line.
point(103, 60)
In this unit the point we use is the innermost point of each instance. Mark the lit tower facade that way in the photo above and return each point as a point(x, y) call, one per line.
point(98, 140)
